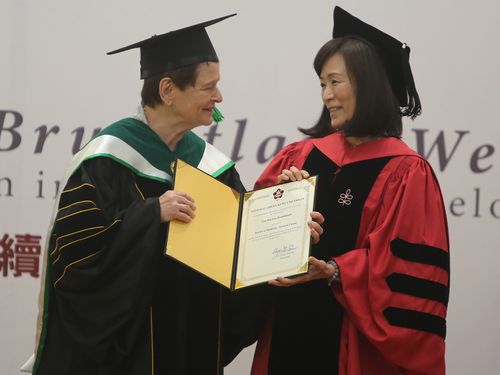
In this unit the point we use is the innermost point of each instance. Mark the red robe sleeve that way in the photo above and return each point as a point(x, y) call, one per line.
point(292, 155)
point(398, 276)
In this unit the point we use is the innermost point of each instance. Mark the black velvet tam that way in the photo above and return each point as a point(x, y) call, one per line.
point(394, 54)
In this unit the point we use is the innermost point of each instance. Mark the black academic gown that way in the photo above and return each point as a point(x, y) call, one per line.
point(117, 304)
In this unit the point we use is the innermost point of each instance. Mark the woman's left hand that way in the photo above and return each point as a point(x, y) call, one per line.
point(292, 174)
point(318, 269)
point(315, 226)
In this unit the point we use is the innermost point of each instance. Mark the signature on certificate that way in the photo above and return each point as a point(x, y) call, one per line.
point(283, 251)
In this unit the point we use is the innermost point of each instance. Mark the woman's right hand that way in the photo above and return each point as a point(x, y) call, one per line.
point(318, 269)
point(176, 205)
point(292, 174)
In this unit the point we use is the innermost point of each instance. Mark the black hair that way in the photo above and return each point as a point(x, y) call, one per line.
point(377, 111)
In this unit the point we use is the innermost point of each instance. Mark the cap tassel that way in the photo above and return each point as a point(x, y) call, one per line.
point(413, 107)
point(217, 115)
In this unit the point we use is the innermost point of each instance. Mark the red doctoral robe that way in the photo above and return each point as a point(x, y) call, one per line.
point(386, 229)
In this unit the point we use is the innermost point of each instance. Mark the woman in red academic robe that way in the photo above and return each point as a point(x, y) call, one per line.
point(375, 300)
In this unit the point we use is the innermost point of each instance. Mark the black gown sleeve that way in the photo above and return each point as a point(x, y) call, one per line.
point(105, 244)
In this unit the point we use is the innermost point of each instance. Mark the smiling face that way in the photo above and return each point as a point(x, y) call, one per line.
point(337, 91)
point(195, 104)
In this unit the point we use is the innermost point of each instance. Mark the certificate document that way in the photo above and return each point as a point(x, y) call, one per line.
point(242, 239)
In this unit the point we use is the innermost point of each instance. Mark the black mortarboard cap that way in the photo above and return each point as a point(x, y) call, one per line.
point(186, 46)
point(394, 54)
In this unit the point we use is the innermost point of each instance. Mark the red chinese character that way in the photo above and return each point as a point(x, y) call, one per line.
point(6, 253)
point(27, 251)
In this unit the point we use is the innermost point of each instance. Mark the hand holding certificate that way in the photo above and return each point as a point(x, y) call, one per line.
point(242, 239)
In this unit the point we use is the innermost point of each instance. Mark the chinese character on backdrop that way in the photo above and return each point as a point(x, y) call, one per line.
point(27, 255)
point(6, 255)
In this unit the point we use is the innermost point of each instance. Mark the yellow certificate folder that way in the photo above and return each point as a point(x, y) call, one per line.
point(242, 239)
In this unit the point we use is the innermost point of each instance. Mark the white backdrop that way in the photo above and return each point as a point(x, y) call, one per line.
point(55, 78)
